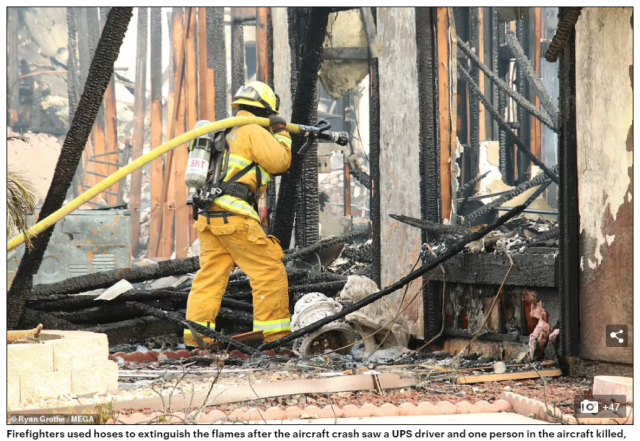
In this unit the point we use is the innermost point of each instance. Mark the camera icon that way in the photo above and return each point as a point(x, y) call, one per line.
point(588, 406)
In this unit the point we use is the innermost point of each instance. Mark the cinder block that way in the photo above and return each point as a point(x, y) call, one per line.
point(36, 387)
point(111, 375)
point(102, 353)
point(13, 391)
point(89, 381)
point(71, 354)
point(29, 359)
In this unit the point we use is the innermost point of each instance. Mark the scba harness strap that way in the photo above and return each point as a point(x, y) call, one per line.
point(230, 187)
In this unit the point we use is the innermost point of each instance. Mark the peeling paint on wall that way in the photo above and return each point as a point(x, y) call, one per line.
point(399, 153)
point(604, 105)
point(604, 123)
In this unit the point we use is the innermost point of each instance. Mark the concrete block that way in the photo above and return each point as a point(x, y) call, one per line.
point(609, 385)
point(88, 381)
point(35, 387)
point(29, 359)
point(74, 354)
point(13, 391)
point(110, 370)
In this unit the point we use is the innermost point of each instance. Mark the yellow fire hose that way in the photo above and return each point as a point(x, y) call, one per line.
point(107, 182)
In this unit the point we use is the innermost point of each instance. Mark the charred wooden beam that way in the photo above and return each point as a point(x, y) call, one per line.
point(504, 87)
point(523, 167)
point(502, 123)
point(563, 33)
point(237, 51)
point(529, 270)
point(473, 154)
point(433, 228)
point(34, 318)
point(472, 183)
point(526, 69)
point(217, 58)
point(374, 169)
point(323, 244)
point(539, 180)
point(568, 207)
point(135, 330)
point(303, 110)
point(429, 138)
point(356, 171)
point(70, 155)
point(105, 279)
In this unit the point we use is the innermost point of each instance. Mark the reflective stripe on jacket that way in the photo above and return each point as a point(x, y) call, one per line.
point(253, 143)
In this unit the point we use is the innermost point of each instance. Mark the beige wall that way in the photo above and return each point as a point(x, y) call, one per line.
point(604, 118)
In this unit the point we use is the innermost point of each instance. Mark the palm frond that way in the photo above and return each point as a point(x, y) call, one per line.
point(20, 203)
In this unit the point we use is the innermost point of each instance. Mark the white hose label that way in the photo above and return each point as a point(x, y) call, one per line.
point(197, 166)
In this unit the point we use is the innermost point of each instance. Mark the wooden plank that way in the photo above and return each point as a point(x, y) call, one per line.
point(471, 379)
point(156, 130)
point(482, 118)
point(167, 196)
point(189, 116)
point(262, 45)
point(138, 126)
point(444, 111)
point(536, 138)
point(204, 106)
point(167, 219)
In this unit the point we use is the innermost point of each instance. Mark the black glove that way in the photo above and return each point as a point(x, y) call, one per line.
point(277, 124)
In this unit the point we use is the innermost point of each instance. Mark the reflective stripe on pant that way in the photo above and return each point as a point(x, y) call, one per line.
point(242, 241)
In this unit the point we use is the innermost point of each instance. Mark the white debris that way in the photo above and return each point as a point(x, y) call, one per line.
point(114, 291)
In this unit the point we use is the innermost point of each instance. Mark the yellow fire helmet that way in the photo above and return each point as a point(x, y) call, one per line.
point(257, 94)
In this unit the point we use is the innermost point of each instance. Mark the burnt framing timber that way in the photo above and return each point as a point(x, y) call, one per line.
point(568, 208)
point(374, 164)
point(427, 64)
point(304, 80)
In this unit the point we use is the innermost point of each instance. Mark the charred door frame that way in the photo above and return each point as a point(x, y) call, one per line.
point(429, 144)
point(568, 208)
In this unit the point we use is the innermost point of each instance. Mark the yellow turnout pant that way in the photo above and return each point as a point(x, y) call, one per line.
point(242, 241)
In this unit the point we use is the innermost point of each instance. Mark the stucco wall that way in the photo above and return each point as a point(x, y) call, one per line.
point(604, 116)
point(399, 156)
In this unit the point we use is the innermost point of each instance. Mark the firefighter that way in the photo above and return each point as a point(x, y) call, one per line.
point(230, 231)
